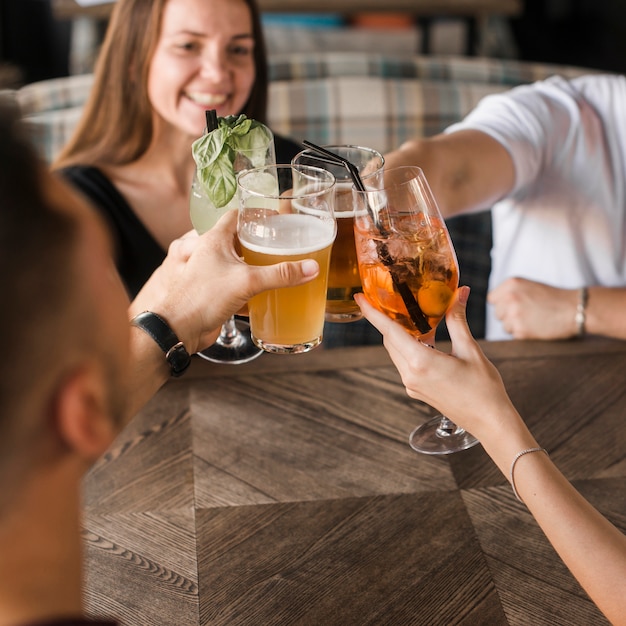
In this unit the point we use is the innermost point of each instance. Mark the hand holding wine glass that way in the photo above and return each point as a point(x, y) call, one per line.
point(409, 272)
point(468, 387)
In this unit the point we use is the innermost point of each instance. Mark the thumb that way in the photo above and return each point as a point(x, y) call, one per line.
point(287, 274)
point(456, 321)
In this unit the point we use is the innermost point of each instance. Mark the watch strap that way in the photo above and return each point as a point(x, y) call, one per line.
point(175, 352)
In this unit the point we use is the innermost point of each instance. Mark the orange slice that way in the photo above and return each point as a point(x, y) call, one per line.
point(434, 297)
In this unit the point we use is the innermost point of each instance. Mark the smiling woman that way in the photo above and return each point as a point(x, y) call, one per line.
point(209, 65)
point(162, 64)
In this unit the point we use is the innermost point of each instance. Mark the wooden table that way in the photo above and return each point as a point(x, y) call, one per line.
point(284, 492)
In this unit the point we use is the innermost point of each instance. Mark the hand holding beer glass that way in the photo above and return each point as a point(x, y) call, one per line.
point(409, 272)
point(286, 214)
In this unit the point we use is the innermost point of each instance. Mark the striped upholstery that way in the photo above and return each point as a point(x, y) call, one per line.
point(380, 101)
point(343, 97)
point(52, 109)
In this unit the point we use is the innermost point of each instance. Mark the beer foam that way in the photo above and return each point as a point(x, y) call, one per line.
point(288, 234)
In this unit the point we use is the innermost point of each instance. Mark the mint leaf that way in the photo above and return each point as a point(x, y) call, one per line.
point(215, 155)
point(208, 148)
point(218, 179)
point(241, 126)
point(254, 143)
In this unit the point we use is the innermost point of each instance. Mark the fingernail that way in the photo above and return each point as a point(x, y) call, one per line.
point(464, 293)
point(310, 267)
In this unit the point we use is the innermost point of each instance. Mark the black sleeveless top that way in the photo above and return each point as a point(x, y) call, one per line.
point(137, 253)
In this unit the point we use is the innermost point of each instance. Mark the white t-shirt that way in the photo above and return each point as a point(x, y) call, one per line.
point(564, 223)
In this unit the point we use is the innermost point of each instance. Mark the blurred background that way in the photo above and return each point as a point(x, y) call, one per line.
point(49, 38)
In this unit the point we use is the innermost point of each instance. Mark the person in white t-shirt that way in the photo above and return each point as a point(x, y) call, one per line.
point(550, 159)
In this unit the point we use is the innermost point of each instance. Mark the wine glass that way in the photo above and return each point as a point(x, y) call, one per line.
point(234, 344)
point(409, 272)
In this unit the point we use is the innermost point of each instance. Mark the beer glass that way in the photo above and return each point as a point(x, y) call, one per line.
point(343, 277)
point(286, 214)
point(409, 272)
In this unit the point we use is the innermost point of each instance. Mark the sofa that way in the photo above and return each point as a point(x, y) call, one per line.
point(370, 99)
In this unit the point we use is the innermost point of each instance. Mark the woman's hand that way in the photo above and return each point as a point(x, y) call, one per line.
point(464, 385)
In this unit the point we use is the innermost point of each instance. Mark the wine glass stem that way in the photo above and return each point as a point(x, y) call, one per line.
point(447, 427)
point(229, 334)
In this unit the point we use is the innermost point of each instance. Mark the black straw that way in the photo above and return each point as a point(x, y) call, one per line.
point(211, 120)
point(353, 170)
point(413, 308)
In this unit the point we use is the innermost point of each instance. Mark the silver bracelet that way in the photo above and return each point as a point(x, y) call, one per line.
point(516, 458)
point(581, 311)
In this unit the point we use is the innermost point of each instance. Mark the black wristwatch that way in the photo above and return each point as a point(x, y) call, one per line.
point(175, 352)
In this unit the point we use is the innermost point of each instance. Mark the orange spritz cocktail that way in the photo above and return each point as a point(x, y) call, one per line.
point(409, 272)
point(421, 257)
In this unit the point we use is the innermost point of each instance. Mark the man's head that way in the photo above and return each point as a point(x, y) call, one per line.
point(63, 326)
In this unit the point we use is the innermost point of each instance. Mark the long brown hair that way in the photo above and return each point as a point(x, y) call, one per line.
point(116, 125)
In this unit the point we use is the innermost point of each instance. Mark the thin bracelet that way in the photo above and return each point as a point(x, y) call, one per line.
point(516, 458)
point(581, 311)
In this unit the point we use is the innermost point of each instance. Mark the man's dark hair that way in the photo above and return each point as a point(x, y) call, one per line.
point(37, 248)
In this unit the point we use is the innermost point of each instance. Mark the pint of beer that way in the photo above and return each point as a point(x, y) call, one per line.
point(343, 278)
point(292, 223)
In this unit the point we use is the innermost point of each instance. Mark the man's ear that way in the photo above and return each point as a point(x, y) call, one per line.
point(82, 412)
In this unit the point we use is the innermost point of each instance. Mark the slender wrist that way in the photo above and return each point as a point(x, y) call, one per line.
point(505, 435)
point(516, 458)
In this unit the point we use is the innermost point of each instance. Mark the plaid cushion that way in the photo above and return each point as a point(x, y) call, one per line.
point(56, 94)
point(370, 111)
point(52, 109)
point(379, 100)
point(330, 97)
point(448, 68)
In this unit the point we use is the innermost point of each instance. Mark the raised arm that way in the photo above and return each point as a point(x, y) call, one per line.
point(467, 388)
point(467, 170)
point(201, 283)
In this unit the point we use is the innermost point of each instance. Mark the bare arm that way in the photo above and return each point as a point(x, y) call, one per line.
point(201, 283)
point(467, 170)
point(466, 387)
